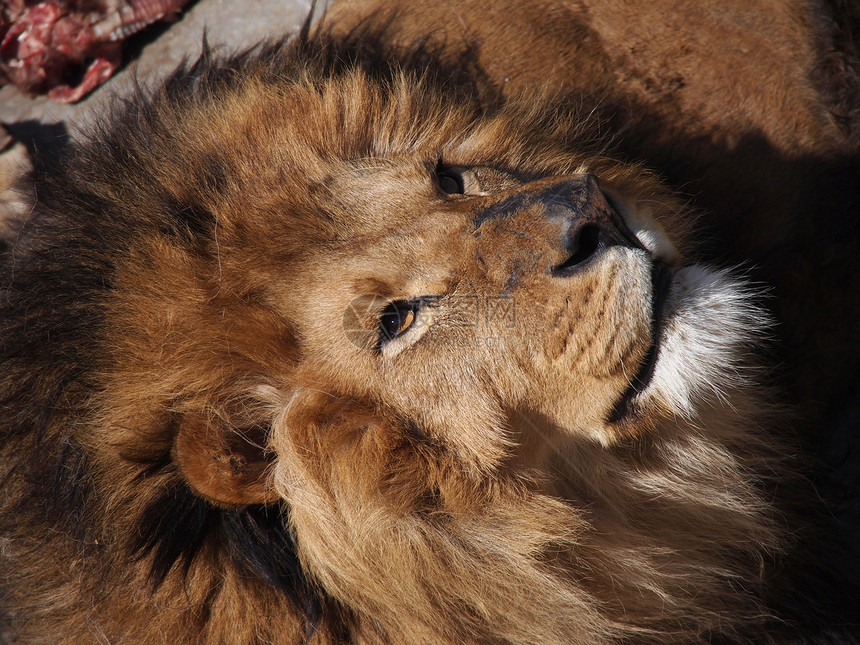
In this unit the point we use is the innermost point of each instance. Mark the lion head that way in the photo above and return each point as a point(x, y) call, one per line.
point(312, 338)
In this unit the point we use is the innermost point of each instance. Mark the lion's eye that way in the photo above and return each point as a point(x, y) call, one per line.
point(450, 180)
point(396, 318)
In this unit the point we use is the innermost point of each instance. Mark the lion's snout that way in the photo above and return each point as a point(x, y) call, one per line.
point(561, 223)
point(589, 223)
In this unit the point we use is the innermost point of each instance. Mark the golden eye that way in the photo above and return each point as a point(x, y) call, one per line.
point(396, 318)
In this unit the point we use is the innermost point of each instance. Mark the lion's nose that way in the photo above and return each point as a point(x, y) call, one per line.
point(557, 223)
point(588, 223)
point(581, 243)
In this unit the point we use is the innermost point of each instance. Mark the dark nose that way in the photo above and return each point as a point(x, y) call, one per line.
point(589, 223)
point(555, 225)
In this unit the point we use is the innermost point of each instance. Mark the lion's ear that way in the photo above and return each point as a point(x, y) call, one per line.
point(227, 466)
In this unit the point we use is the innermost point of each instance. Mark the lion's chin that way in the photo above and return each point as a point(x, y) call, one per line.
point(703, 331)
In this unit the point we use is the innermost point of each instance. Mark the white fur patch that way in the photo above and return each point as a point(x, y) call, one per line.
point(709, 325)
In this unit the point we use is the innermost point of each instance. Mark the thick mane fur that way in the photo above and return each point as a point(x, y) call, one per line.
point(94, 212)
point(134, 303)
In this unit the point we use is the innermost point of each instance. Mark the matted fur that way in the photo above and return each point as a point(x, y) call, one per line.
point(201, 446)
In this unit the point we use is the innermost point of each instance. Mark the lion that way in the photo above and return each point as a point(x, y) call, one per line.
point(340, 341)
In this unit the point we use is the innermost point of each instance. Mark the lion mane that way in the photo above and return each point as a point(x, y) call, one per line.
point(332, 341)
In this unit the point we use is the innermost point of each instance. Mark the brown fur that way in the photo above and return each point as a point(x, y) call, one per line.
point(207, 440)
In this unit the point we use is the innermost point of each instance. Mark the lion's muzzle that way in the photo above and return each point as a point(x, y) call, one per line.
point(566, 221)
